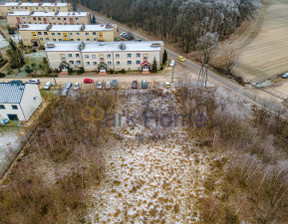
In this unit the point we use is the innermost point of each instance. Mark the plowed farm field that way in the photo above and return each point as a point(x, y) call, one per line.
point(266, 55)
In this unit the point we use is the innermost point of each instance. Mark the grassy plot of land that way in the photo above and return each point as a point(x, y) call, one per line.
point(266, 55)
point(10, 127)
point(31, 59)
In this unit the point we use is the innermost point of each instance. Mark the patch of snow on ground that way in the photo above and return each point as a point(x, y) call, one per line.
point(155, 180)
point(9, 146)
point(3, 42)
point(149, 183)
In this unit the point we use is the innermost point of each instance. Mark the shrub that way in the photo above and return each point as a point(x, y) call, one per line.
point(81, 70)
point(123, 71)
point(28, 69)
point(11, 31)
point(2, 75)
point(154, 66)
point(111, 71)
point(70, 71)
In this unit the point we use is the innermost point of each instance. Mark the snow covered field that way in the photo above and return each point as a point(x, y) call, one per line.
point(154, 174)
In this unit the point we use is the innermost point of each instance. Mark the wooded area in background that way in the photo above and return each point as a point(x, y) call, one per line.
point(180, 21)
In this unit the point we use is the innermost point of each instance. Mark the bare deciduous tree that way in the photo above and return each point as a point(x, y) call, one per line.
point(226, 57)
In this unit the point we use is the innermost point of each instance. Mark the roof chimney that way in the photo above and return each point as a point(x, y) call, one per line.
point(122, 46)
point(49, 27)
point(82, 46)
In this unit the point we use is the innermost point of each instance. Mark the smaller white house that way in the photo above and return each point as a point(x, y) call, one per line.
point(18, 102)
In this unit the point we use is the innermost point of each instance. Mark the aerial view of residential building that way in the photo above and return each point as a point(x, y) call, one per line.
point(6, 7)
point(18, 101)
point(16, 18)
point(132, 111)
point(104, 56)
point(38, 34)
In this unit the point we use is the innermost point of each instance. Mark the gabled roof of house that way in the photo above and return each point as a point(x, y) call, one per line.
point(11, 92)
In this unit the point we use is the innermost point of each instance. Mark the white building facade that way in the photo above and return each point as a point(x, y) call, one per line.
point(18, 102)
point(104, 56)
point(6, 7)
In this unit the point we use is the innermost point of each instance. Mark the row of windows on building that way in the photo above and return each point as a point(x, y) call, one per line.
point(14, 107)
point(88, 63)
point(44, 18)
point(60, 40)
point(71, 34)
point(93, 56)
point(54, 23)
point(36, 8)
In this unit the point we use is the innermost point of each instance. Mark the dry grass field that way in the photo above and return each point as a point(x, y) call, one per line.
point(266, 55)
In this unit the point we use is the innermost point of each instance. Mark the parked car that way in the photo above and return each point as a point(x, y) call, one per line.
point(16, 81)
point(99, 85)
point(181, 58)
point(144, 84)
point(33, 81)
point(87, 81)
point(65, 92)
point(114, 83)
point(47, 85)
point(68, 85)
point(138, 40)
point(122, 34)
point(76, 86)
point(130, 37)
point(172, 63)
point(167, 85)
point(134, 84)
point(108, 85)
point(126, 35)
point(285, 76)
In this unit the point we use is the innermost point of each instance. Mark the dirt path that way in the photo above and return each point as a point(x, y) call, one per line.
point(266, 55)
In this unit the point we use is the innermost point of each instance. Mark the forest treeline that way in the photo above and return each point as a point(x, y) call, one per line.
point(182, 21)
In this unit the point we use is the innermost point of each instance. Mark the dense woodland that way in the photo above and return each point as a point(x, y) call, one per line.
point(182, 21)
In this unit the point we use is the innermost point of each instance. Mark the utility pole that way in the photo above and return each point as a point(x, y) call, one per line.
point(55, 80)
point(172, 74)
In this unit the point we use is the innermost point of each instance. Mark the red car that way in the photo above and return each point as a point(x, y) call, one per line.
point(88, 80)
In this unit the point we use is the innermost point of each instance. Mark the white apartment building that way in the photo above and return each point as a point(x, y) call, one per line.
point(16, 18)
point(38, 34)
point(103, 56)
point(18, 102)
point(6, 7)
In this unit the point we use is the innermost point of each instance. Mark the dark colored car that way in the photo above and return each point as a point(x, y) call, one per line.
point(285, 76)
point(16, 81)
point(114, 83)
point(134, 84)
point(130, 38)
